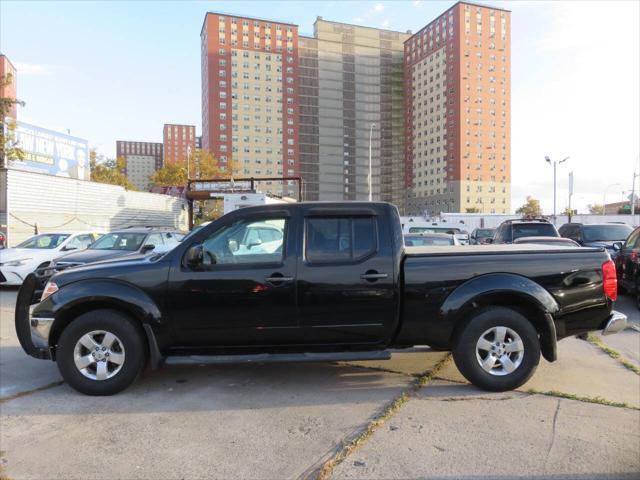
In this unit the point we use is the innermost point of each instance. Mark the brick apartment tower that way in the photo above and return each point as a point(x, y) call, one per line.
point(350, 78)
point(178, 141)
point(457, 112)
point(250, 97)
point(142, 159)
point(10, 90)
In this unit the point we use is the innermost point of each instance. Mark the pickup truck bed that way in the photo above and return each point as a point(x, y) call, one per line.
point(328, 279)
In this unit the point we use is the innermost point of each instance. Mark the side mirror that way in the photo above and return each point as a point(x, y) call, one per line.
point(194, 256)
point(233, 245)
point(617, 246)
point(147, 248)
point(255, 243)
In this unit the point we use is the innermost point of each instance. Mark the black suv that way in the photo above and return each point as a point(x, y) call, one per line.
point(509, 230)
point(628, 265)
point(597, 234)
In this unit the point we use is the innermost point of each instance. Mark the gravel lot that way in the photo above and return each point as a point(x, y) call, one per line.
point(300, 420)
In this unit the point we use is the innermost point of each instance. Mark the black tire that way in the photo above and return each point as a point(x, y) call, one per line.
point(127, 334)
point(464, 349)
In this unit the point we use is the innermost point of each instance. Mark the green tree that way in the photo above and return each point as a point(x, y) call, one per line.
point(201, 165)
point(109, 171)
point(531, 208)
point(9, 147)
point(596, 209)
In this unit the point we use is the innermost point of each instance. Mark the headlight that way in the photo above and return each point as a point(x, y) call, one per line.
point(16, 263)
point(49, 289)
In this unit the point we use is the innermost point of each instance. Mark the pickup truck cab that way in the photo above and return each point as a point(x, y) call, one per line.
point(334, 282)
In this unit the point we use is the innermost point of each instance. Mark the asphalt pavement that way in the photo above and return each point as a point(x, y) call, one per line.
point(364, 420)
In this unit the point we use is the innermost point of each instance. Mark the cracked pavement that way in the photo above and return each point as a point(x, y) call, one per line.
point(286, 420)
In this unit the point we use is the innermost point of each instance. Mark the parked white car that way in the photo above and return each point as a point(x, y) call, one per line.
point(18, 262)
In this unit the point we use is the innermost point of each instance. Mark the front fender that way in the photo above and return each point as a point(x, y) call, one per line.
point(496, 283)
point(104, 293)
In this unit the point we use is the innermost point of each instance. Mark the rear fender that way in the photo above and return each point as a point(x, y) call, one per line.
point(506, 289)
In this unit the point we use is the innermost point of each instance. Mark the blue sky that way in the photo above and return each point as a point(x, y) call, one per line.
point(121, 69)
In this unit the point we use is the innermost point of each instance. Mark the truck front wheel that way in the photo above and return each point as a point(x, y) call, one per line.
point(101, 352)
point(497, 349)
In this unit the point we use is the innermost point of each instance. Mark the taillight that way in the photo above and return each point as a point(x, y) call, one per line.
point(610, 280)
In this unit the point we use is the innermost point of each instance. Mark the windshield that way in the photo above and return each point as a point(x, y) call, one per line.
point(449, 230)
point(45, 241)
point(534, 230)
point(551, 241)
point(484, 233)
point(119, 241)
point(606, 233)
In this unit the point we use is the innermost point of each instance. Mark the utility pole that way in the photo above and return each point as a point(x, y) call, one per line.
point(555, 164)
point(370, 162)
point(632, 199)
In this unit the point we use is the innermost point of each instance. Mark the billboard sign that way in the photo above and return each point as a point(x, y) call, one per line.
point(51, 152)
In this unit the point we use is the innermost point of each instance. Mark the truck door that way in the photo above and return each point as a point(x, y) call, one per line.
point(243, 294)
point(347, 291)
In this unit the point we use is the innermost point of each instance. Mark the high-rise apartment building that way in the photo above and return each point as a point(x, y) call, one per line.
point(457, 112)
point(8, 82)
point(351, 98)
point(142, 159)
point(179, 141)
point(250, 97)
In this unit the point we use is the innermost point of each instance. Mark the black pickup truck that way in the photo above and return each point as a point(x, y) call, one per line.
point(316, 281)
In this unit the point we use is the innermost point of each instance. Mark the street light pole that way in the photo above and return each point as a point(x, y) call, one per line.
point(555, 164)
point(370, 163)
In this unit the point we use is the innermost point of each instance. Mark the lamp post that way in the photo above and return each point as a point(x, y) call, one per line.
point(555, 165)
point(604, 196)
point(370, 165)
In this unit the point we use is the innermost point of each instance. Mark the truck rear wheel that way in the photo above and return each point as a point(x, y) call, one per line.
point(497, 349)
point(100, 353)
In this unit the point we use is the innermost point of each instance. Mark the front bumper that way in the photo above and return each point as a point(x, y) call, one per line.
point(40, 330)
point(12, 276)
point(33, 337)
point(615, 323)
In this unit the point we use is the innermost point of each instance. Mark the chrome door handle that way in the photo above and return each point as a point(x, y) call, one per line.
point(278, 279)
point(373, 276)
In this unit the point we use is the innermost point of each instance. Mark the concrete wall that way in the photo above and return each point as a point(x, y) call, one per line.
point(64, 204)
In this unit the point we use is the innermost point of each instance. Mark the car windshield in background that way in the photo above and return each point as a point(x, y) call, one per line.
point(449, 230)
point(534, 230)
point(484, 233)
point(416, 241)
point(552, 241)
point(45, 241)
point(605, 233)
point(119, 241)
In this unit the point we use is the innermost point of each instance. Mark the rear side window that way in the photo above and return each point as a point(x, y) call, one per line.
point(339, 239)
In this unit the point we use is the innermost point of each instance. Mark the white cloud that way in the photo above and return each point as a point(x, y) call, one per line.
point(385, 23)
point(378, 7)
point(33, 69)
